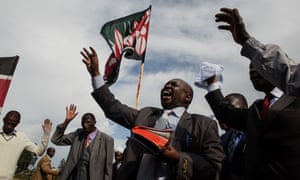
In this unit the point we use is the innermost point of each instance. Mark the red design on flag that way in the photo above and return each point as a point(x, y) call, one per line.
point(4, 84)
point(7, 69)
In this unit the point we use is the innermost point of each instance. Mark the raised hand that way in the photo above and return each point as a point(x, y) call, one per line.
point(235, 24)
point(71, 113)
point(90, 59)
point(47, 126)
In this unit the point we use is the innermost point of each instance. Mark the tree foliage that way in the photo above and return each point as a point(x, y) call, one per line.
point(25, 164)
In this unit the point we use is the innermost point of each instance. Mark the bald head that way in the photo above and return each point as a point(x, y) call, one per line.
point(176, 93)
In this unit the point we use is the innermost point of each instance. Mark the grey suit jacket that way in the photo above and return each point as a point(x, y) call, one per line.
point(101, 158)
point(274, 64)
point(196, 138)
point(273, 144)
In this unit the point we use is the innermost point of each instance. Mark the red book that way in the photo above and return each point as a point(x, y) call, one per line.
point(150, 140)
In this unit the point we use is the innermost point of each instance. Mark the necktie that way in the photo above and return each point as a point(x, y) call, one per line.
point(235, 138)
point(162, 122)
point(87, 141)
point(266, 104)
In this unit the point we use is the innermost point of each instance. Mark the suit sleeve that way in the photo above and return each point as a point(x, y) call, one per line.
point(273, 63)
point(207, 163)
point(113, 108)
point(46, 167)
point(58, 137)
point(225, 112)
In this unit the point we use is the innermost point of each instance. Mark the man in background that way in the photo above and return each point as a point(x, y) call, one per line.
point(91, 152)
point(117, 164)
point(44, 170)
point(234, 144)
point(13, 142)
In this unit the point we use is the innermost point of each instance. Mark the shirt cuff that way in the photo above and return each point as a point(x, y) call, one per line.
point(97, 82)
point(214, 86)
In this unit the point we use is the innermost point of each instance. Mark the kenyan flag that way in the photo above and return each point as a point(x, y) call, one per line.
point(126, 36)
point(7, 69)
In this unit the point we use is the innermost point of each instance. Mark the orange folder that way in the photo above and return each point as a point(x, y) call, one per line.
point(150, 140)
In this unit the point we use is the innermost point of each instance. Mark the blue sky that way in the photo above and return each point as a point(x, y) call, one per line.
point(49, 35)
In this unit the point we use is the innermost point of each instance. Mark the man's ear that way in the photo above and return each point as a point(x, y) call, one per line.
point(188, 99)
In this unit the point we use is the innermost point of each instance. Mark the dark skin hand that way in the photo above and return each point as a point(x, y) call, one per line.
point(90, 59)
point(170, 154)
point(211, 80)
point(71, 113)
point(234, 24)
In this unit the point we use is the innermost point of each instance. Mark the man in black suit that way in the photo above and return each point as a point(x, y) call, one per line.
point(273, 148)
point(234, 144)
point(117, 164)
point(195, 151)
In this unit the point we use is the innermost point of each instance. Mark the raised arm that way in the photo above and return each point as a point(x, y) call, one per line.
point(269, 59)
point(40, 149)
point(59, 138)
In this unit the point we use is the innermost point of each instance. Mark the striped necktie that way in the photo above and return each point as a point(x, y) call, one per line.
point(234, 139)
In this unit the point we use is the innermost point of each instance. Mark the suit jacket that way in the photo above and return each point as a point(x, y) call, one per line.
point(196, 138)
point(273, 148)
point(44, 170)
point(100, 164)
point(236, 167)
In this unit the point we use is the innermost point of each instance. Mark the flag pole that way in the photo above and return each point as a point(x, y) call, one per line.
point(139, 84)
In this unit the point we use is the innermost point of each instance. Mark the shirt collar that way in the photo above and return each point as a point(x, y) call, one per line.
point(277, 92)
point(14, 133)
point(93, 134)
point(178, 111)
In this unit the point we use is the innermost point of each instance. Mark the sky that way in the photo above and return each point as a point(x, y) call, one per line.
point(49, 35)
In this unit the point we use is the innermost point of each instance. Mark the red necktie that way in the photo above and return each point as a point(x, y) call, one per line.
point(266, 105)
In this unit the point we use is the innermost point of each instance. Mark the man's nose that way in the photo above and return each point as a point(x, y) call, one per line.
point(169, 85)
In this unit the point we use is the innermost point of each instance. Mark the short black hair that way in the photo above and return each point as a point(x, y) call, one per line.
point(239, 97)
point(87, 115)
point(49, 149)
point(14, 114)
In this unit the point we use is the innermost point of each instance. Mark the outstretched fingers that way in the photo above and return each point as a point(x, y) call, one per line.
point(47, 126)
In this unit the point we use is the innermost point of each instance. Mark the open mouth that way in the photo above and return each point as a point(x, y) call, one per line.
point(166, 94)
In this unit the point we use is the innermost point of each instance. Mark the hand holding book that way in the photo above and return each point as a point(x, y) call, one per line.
point(150, 140)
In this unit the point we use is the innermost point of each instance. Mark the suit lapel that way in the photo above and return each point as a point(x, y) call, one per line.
point(185, 123)
point(96, 145)
point(277, 107)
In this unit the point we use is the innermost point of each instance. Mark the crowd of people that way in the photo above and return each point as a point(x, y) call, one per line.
point(261, 140)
